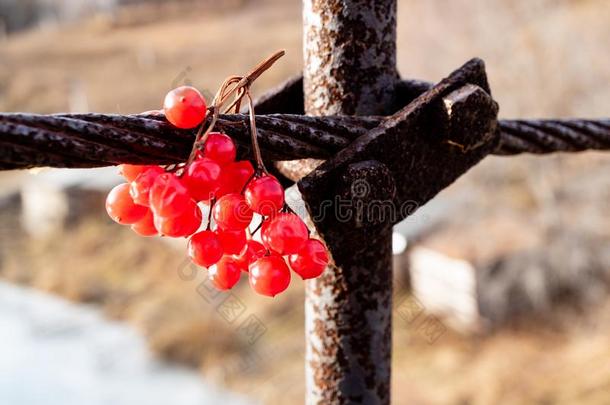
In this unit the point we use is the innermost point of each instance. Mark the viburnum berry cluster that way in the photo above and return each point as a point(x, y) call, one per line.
point(167, 201)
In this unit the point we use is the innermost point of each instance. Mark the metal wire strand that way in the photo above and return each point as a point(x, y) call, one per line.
point(92, 140)
point(548, 136)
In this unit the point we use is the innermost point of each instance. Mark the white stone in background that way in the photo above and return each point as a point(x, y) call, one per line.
point(44, 207)
point(446, 287)
point(45, 204)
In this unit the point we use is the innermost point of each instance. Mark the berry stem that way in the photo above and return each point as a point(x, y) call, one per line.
point(260, 166)
point(236, 104)
point(286, 208)
point(239, 87)
point(212, 202)
point(246, 81)
point(258, 227)
point(253, 176)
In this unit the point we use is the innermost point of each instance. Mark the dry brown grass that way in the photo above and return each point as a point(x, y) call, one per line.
point(127, 67)
point(139, 280)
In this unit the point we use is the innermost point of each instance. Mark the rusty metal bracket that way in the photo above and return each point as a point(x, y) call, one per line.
point(409, 157)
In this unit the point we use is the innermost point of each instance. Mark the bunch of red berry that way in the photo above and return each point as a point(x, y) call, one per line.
point(166, 201)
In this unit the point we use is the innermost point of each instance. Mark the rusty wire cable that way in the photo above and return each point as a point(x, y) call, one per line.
point(92, 140)
point(547, 136)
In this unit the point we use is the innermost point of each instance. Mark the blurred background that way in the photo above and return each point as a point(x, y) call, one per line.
point(501, 281)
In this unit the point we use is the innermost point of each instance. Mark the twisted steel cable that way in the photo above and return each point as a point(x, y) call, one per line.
point(91, 140)
point(547, 136)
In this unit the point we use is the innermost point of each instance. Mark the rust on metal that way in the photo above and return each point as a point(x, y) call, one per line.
point(350, 69)
point(402, 163)
point(350, 56)
point(425, 146)
point(93, 140)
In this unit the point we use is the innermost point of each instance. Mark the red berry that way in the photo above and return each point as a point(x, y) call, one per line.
point(184, 224)
point(202, 179)
point(311, 260)
point(145, 226)
point(168, 196)
point(285, 234)
point(269, 275)
point(204, 248)
point(234, 177)
point(232, 212)
point(140, 187)
point(252, 250)
point(232, 241)
point(265, 195)
point(130, 172)
point(121, 207)
point(220, 148)
point(225, 274)
point(264, 233)
point(185, 107)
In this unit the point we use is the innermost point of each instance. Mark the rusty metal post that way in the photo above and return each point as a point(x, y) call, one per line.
point(350, 68)
point(350, 56)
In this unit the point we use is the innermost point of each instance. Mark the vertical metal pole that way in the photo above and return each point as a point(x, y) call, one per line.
point(350, 68)
point(350, 56)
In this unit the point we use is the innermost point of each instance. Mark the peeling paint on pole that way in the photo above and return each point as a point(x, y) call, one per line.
point(350, 68)
point(350, 56)
point(348, 323)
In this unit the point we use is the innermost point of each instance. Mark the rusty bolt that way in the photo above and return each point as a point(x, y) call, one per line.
point(470, 115)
